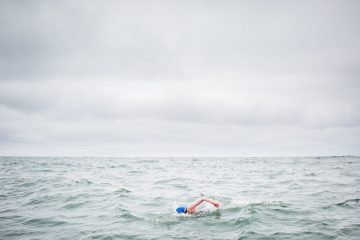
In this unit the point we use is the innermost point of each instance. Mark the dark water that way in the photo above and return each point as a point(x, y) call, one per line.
point(120, 198)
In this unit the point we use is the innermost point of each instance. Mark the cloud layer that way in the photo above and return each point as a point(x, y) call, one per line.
point(175, 78)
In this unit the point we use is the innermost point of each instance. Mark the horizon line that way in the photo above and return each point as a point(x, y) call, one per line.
point(249, 156)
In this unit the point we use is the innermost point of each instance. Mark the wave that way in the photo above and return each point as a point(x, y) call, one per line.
point(113, 236)
point(127, 216)
point(349, 203)
point(75, 205)
point(122, 192)
point(44, 222)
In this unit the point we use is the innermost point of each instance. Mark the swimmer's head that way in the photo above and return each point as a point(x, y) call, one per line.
point(181, 210)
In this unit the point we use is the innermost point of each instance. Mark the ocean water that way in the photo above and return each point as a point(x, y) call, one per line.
point(135, 198)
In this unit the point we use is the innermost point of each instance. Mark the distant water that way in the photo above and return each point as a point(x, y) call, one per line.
point(134, 198)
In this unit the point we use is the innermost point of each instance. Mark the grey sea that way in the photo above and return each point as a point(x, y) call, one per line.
point(135, 198)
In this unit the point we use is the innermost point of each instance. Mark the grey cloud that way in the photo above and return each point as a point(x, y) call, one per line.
point(177, 38)
point(194, 101)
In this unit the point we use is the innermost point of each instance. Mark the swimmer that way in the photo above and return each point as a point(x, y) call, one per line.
point(191, 209)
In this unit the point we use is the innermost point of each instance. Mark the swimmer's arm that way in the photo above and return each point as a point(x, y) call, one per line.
point(215, 203)
point(192, 206)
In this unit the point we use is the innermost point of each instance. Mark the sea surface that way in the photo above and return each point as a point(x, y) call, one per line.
point(134, 198)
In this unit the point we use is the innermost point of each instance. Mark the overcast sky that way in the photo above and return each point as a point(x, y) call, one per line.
point(179, 78)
